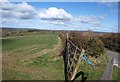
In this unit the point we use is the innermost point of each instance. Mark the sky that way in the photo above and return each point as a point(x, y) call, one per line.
point(82, 16)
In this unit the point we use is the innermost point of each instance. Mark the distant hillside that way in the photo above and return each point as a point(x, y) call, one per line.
point(19, 31)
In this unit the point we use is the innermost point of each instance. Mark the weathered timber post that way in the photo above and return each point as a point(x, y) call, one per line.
point(66, 59)
point(77, 65)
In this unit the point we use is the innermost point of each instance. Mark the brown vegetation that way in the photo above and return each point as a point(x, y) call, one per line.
point(111, 41)
point(86, 40)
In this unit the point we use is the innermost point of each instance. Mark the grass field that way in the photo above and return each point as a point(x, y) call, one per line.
point(12, 44)
point(31, 57)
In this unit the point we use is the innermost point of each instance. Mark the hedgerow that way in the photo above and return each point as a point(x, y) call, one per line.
point(86, 40)
point(111, 41)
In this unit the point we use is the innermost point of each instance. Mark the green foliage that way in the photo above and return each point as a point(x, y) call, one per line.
point(88, 41)
point(115, 73)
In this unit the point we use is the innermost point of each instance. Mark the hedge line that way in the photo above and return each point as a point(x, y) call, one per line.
point(111, 41)
point(86, 40)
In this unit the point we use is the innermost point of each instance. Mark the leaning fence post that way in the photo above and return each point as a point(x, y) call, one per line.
point(77, 65)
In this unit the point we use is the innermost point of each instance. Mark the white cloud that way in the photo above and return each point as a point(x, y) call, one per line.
point(90, 19)
point(60, 17)
point(25, 11)
point(54, 13)
point(21, 10)
point(24, 7)
point(7, 14)
point(111, 5)
point(109, 0)
point(102, 17)
point(6, 6)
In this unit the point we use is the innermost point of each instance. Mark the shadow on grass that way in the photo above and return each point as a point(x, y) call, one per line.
point(84, 76)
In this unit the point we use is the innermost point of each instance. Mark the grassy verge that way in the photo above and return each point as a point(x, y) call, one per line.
point(94, 73)
point(115, 73)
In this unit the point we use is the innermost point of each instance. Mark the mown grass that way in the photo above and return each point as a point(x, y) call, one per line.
point(115, 73)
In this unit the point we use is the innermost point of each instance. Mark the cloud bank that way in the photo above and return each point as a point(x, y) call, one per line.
point(15, 13)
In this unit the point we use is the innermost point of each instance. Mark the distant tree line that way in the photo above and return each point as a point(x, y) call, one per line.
point(21, 32)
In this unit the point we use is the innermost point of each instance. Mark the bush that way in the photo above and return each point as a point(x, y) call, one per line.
point(111, 41)
point(86, 40)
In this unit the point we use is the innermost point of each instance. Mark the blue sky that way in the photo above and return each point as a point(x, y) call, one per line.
point(96, 16)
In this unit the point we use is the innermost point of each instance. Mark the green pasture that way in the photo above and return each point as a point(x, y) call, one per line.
point(11, 44)
point(30, 63)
